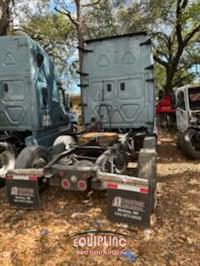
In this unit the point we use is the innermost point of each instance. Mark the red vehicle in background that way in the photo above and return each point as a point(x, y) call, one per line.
point(166, 114)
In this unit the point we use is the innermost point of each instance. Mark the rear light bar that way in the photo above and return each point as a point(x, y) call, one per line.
point(22, 177)
point(112, 186)
point(144, 190)
point(129, 187)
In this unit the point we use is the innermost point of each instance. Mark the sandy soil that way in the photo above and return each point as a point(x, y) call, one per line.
point(39, 237)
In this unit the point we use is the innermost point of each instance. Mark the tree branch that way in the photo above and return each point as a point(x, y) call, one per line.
point(160, 61)
point(178, 23)
point(159, 52)
point(161, 35)
point(191, 34)
point(181, 79)
point(184, 4)
point(68, 14)
point(29, 31)
point(91, 4)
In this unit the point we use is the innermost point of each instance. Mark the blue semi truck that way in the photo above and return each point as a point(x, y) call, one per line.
point(118, 108)
point(33, 109)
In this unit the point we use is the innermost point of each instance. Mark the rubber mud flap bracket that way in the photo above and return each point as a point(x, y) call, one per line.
point(147, 163)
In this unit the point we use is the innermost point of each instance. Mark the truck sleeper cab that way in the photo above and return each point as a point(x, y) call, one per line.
point(30, 108)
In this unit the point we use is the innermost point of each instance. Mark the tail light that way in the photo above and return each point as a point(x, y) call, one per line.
point(82, 185)
point(112, 186)
point(65, 183)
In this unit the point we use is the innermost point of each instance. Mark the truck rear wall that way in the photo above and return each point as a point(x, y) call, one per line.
point(119, 89)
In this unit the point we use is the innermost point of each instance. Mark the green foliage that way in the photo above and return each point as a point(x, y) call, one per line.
point(159, 76)
point(53, 32)
point(99, 21)
point(130, 19)
point(174, 26)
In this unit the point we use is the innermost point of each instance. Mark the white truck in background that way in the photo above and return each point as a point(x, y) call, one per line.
point(187, 104)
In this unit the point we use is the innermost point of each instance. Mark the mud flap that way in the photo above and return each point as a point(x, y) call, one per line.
point(129, 207)
point(128, 198)
point(23, 193)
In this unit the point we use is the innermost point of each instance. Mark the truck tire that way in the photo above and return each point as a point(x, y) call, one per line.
point(188, 144)
point(165, 121)
point(67, 140)
point(7, 160)
point(32, 157)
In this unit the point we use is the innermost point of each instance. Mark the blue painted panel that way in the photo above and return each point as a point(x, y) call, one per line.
point(22, 85)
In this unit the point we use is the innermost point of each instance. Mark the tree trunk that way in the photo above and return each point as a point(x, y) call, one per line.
point(5, 17)
point(171, 70)
point(80, 33)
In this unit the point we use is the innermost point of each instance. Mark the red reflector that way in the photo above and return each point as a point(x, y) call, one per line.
point(112, 186)
point(144, 190)
point(82, 185)
point(65, 183)
point(62, 173)
point(33, 178)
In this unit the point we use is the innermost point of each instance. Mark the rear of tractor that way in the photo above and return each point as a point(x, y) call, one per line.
point(117, 151)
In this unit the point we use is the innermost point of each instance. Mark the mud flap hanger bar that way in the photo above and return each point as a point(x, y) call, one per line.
point(21, 173)
point(123, 180)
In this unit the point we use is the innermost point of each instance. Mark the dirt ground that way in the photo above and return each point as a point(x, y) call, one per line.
point(39, 237)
